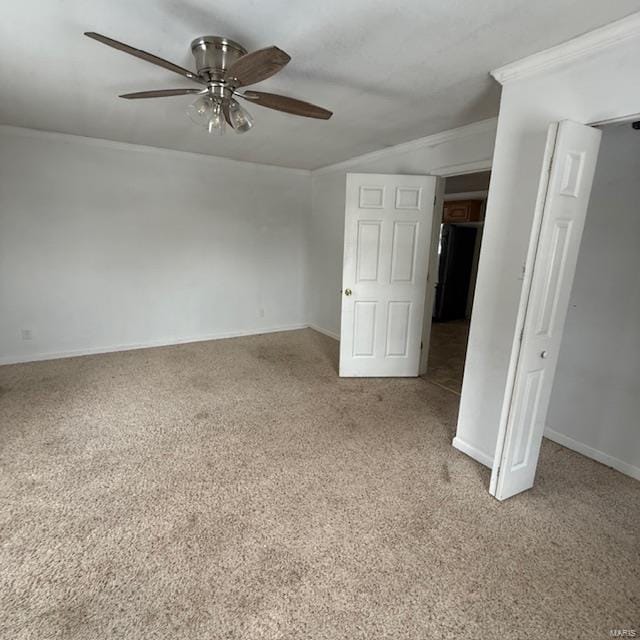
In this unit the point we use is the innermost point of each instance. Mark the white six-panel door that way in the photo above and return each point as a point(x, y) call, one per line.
point(386, 251)
point(554, 246)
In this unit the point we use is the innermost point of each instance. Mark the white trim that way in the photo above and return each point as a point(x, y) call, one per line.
point(584, 45)
point(619, 120)
point(466, 195)
point(474, 128)
point(482, 126)
point(462, 169)
point(432, 276)
point(471, 451)
point(128, 146)
point(146, 345)
point(590, 452)
point(326, 332)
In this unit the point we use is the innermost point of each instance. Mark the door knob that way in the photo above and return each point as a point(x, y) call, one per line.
point(543, 354)
point(347, 292)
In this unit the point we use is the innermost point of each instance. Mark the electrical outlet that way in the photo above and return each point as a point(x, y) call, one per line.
point(26, 334)
point(262, 313)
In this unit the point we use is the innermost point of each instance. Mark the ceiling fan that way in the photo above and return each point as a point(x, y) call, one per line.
point(223, 66)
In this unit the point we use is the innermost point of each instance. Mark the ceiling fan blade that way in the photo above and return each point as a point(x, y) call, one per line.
point(143, 55)
point(160, 93)
point(288, 105)
point(257, 66)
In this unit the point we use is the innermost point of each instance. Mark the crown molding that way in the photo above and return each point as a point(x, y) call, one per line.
point(574, 49)
point(482, 126)
point(460, 169)
point(475, 128)
point(129, 146)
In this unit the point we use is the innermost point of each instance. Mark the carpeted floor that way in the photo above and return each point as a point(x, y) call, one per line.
point(239, 489)
point(447, 353)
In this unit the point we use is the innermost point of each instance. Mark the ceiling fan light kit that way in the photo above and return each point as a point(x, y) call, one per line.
point(206, 111)
point(223, 66)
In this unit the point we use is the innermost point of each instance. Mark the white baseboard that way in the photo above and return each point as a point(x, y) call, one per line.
point(146, 345)
point(617, 464)
point(476, 454)
point(326, 332)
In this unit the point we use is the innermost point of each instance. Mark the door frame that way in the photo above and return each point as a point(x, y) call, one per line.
point(441, 173)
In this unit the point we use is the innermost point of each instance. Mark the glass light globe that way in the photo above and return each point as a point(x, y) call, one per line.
point(241, 119)
point(206, 111)
point(200, 110)
point(217, 123)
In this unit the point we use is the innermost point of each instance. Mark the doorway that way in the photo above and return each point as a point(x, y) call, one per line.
point(594, 403)
point(461, 223)
point(575, 368)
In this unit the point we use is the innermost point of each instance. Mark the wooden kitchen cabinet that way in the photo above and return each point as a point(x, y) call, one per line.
point(462, 211)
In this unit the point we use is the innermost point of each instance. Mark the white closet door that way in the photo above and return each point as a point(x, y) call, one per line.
point(554, 246)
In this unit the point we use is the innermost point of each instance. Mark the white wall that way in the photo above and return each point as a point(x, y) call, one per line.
point(473, 143)
point(595, 402)
point(600, 84)
point(106, 246)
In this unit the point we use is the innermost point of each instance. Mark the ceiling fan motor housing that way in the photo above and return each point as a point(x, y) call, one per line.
point(214, 55)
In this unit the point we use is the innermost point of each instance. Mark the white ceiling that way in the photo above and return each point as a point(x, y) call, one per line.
point(391, 70)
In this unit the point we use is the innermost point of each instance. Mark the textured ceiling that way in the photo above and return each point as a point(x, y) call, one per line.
point(391, 71)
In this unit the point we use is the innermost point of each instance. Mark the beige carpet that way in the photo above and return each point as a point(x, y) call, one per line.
point(239, 489)
point(447, 353)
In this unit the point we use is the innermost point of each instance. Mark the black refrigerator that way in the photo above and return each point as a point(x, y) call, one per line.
point(457, 245)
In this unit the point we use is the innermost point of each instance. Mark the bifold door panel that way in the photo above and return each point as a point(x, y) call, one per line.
point(554, 246)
